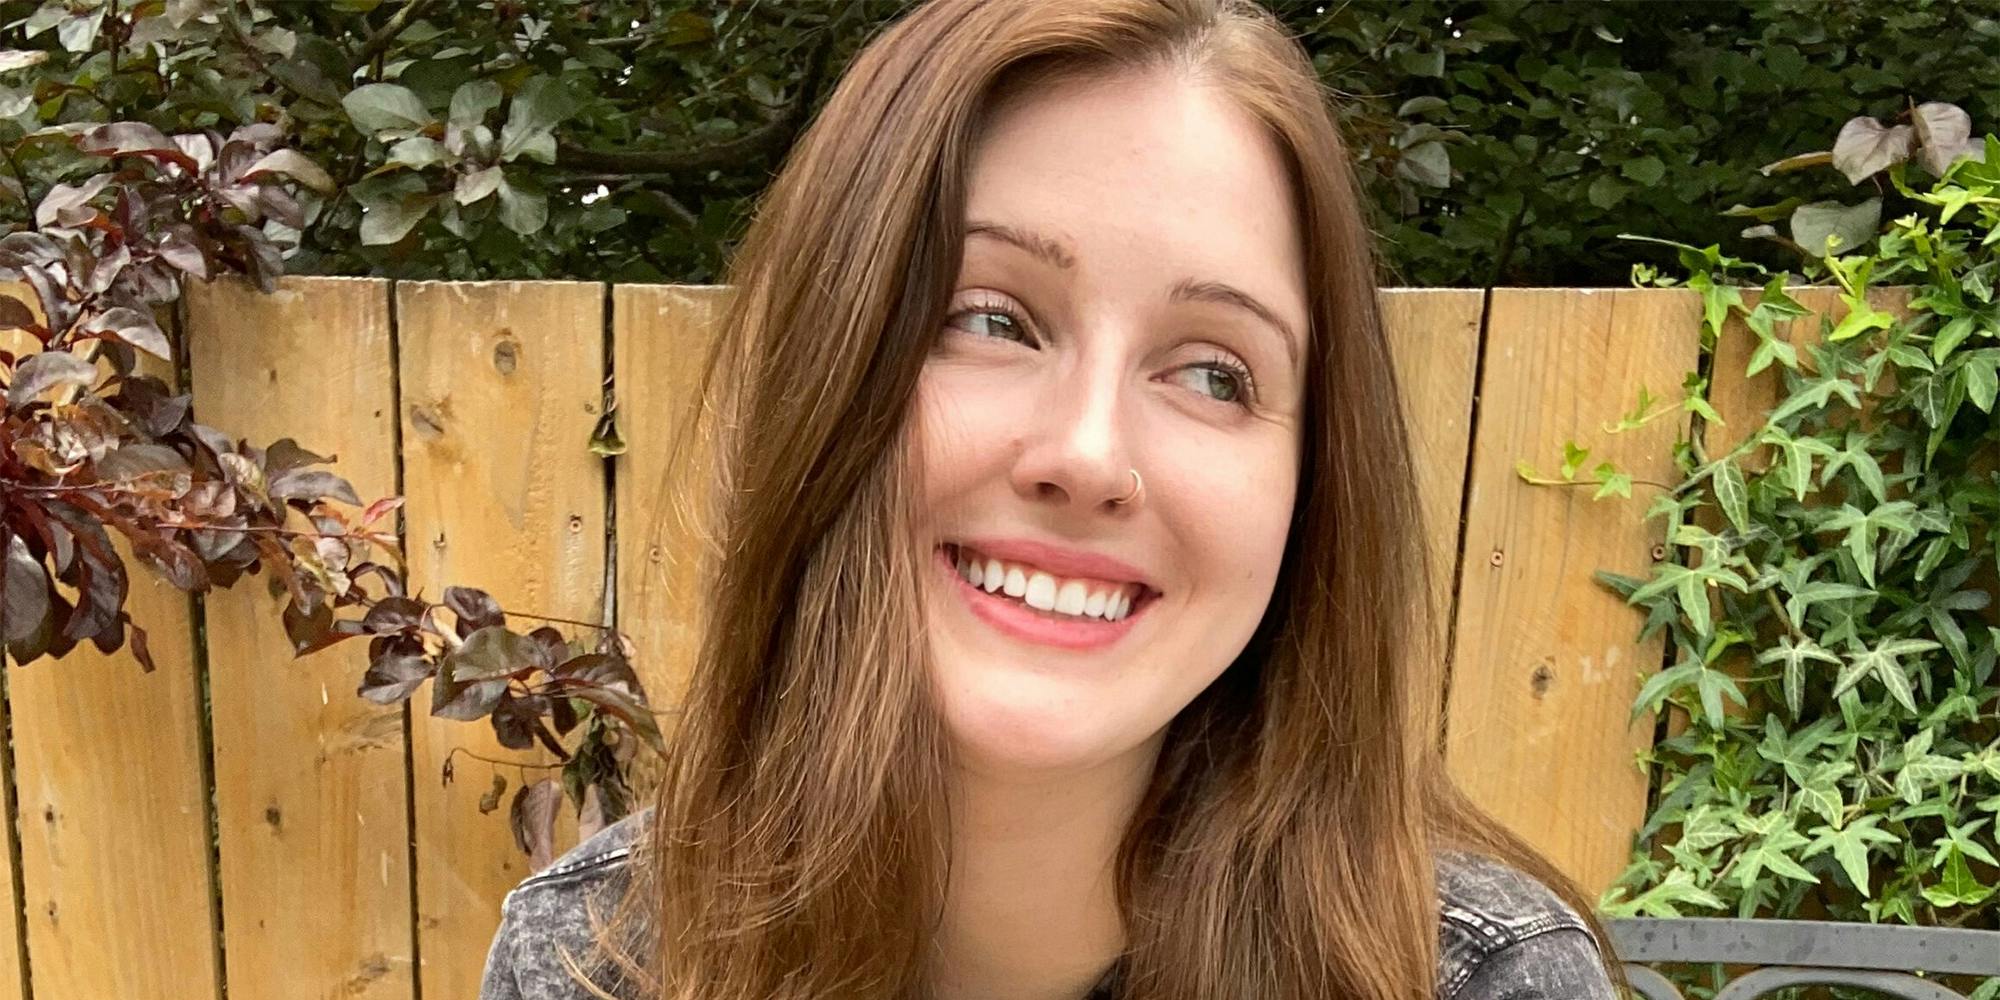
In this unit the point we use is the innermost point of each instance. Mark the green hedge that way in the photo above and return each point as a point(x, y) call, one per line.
point(1503, 143)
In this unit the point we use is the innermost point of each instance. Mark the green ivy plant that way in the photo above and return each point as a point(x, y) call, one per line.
point(1837, 585)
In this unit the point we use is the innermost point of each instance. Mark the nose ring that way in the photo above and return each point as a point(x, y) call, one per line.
point(1137, 485)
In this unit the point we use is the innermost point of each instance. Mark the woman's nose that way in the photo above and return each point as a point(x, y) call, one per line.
point(1074, 449)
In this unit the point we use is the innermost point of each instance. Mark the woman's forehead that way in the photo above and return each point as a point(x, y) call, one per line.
point(1146, 172)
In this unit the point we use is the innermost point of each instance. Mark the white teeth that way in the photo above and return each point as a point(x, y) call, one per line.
point(1070, 597)
point(1094, 604)
point(1044, 591)
point(1041, 593)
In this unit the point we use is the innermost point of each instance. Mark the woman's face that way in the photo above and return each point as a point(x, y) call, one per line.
point(1131, 296)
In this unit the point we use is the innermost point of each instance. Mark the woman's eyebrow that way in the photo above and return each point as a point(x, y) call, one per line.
point(1050, 251)
point(1190, 290)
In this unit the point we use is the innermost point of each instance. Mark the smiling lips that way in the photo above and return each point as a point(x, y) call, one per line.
point(1030, 603)
point(1043, 591)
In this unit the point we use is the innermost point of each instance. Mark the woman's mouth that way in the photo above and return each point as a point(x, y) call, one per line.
point(1028, 603)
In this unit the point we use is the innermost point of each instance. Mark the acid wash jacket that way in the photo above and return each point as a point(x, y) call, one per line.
point(1502, 934)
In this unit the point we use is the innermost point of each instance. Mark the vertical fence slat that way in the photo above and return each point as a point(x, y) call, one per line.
point(114, 810)
point(501, 386)
point(310, 779)
point(1434, 340)
point(660, 335)
point(1545, 667)
point(11, 982)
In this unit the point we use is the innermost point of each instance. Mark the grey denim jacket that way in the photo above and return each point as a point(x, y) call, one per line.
point(1502, 935)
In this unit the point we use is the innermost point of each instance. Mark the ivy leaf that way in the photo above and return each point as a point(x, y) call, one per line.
point(1673, 891)
point(1732, 494)
point(1951, 335)
point(1795, 656)
point(1850, 847)
point(1772, 851)
point(1982, 378)
point(1857, 456)
point(1957, 887)
point(1923, 771)
point(1863, 530)
point(1821, 791)
point(1658, 687)
point(1883, 662)
point(1573, 458)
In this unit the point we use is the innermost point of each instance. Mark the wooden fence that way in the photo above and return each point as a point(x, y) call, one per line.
point(240, 821)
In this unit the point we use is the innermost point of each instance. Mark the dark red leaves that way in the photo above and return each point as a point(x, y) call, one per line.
point(88, 446)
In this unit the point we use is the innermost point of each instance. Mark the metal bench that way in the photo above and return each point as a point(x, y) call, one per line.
point(1786, 953)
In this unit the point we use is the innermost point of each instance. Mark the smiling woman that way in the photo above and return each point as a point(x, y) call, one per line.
point(1067, 595)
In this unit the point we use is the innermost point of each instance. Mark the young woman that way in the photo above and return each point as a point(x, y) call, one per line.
point(1066, 629)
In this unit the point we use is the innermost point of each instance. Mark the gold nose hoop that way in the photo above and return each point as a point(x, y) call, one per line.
point(1137, 485)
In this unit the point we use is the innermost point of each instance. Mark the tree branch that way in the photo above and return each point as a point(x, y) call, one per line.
point(775, 135)
point(386, 34)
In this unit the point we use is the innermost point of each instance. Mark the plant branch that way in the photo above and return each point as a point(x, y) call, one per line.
point(1778, 609)
point(385, 35)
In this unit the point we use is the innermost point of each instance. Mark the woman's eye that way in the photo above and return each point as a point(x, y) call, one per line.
point(990, 322)
point(1220, 380)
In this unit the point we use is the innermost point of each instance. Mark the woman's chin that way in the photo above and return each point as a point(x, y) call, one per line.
point(1023, 739)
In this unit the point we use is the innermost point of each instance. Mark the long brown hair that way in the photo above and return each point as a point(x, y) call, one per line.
point(801, 842)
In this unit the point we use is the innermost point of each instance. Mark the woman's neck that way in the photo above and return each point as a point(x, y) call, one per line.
point(1032, 909)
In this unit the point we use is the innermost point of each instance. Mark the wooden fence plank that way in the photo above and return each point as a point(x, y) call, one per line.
point(660, 335)
point(1544, 668)
point(114, 824)
point(1434, 337)
point(501, 388)
point(12, 983)
point(310, 783)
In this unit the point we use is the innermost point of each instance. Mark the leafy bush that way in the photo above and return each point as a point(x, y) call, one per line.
point(90, 445)
point(1835, 568)
point(1500, 143)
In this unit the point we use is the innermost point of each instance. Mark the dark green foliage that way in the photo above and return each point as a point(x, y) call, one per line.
point(1499, 143)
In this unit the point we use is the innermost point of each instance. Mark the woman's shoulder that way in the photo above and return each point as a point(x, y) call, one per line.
point(1502, 932)
point(551, 920)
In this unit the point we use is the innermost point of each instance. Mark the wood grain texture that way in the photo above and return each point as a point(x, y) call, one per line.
point(12, 984)
point(1434, 340)
point(310, 783)
point(501, 387)
point(113, 793)
point(660, 336)
point(1544, 667)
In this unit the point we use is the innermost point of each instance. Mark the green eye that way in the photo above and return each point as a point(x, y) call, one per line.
point(1221, 379)
point(990, 321)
